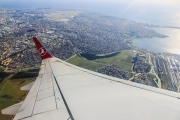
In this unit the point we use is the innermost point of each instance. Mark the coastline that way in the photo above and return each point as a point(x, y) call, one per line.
point(161, 45)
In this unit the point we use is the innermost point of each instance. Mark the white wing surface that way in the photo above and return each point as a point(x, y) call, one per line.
point(63, 91)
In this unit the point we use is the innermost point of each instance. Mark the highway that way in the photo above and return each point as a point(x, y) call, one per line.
point(152, 71)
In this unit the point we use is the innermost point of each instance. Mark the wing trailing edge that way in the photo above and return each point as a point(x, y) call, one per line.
point(27, 87)
point(11, 110)
point(41, 49)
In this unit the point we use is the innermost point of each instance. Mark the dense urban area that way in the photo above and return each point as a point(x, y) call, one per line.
point(67, 33)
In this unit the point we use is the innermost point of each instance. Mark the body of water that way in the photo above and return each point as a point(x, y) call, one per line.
point(170, 44)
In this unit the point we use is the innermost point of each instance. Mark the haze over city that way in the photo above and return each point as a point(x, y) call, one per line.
point(161, 12)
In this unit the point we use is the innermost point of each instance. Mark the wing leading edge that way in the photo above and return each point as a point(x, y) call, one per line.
point(64, 91)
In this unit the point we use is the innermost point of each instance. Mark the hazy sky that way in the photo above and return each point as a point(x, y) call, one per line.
point(93, 5)
point(81, 3)
point(151, 11)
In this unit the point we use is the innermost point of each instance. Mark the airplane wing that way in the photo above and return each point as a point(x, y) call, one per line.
point(63, 91)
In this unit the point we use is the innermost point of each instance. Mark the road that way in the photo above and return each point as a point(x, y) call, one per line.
point(17, 70)
point(169, 75)
point(152, 71)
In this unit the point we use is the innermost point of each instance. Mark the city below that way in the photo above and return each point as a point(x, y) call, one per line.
point(68, 34)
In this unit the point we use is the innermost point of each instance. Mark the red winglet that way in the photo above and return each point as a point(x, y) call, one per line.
point(42, 51)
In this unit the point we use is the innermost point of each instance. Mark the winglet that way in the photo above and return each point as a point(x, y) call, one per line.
point(42, 51)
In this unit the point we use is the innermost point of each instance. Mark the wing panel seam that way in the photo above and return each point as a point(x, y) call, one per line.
point(67, 107)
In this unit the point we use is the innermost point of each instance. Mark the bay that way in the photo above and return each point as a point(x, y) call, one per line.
point(170, 44)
